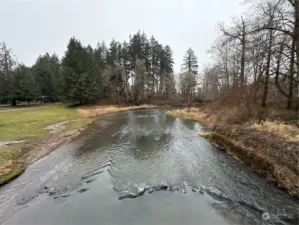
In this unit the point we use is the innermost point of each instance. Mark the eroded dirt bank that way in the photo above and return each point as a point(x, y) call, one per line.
point(268, 148)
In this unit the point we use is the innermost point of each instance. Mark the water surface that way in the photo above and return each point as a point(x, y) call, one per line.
point(160, 167)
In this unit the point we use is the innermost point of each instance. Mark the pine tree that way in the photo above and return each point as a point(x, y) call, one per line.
point(23, 85)
point(79, 73)
point(100, 55)
point(166, 67)
point(138, 89)
point(155, 49)
point(112, 53)
point(7, 65)
point(189, 72)
point(190, 63)
point(46, 70)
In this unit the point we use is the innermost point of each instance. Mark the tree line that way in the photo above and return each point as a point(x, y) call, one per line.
point(131, 72)
point(260, 49)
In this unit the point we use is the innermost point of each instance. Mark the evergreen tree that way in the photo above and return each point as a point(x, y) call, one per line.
point(131, 70)
point(48, 76)
point(23, 86)
point(79, 73)
point(112, 53)
point(189, 72)
point(7, 64)
point(190, 63)
point(138, 89)
point(154, 57)
point(100, 55)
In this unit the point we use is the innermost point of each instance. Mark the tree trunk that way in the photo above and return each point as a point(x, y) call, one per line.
point(296, 37)
point(265, 93)
point(243, 42)
point(291, 75)
point(13, 102)
point(296, 33)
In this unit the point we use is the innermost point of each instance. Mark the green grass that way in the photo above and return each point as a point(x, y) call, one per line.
point(26, 123)
point(9, 176)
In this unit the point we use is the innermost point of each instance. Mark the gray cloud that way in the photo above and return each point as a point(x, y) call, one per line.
point(33, 27)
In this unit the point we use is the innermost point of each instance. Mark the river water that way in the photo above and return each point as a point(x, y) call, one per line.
point(142, 167)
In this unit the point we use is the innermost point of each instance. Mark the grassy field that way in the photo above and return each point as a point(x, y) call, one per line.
point(28, 124)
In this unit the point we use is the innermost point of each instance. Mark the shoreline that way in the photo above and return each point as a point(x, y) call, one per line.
point(36, 150)
point(274, 159)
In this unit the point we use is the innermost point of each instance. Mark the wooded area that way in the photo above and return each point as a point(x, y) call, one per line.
point(259, 54)
point(131, 72)
point(255, 62)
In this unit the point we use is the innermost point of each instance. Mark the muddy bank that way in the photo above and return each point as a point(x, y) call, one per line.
point(273, 157)
point(34, 151)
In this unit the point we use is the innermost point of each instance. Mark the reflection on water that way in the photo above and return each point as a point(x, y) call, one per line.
point(124, 153)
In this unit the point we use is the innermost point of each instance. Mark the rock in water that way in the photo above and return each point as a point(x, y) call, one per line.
point(82, 190)
point(65, 195)
point(128, 195)
point(195, 189)
point(52, 191)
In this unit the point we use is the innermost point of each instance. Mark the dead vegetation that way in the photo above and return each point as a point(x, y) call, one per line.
point(90, 111)
point(266, 140)
point(278, 129)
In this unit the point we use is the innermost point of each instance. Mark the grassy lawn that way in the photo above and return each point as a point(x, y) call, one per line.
point(28, 124)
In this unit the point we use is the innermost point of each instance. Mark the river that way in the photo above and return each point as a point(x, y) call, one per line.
point(142, 167)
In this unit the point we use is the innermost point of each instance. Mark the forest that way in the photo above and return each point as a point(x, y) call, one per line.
point(131, 72)
point(258, 50)
point(255, 60)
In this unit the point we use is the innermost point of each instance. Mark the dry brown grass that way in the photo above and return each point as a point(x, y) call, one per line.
point(278, 129)
point(197, 114)
point(10, 170)
point(268, 147)
point(262, 162)
point(104, 110)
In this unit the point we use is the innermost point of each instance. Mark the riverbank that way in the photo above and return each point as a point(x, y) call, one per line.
point(31, 133)
point(91, 111)
point(268, 148)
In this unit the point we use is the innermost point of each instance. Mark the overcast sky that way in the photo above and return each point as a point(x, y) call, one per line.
point(33, 27)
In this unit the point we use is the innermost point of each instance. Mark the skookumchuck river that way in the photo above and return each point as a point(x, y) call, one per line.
point(142, 167)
